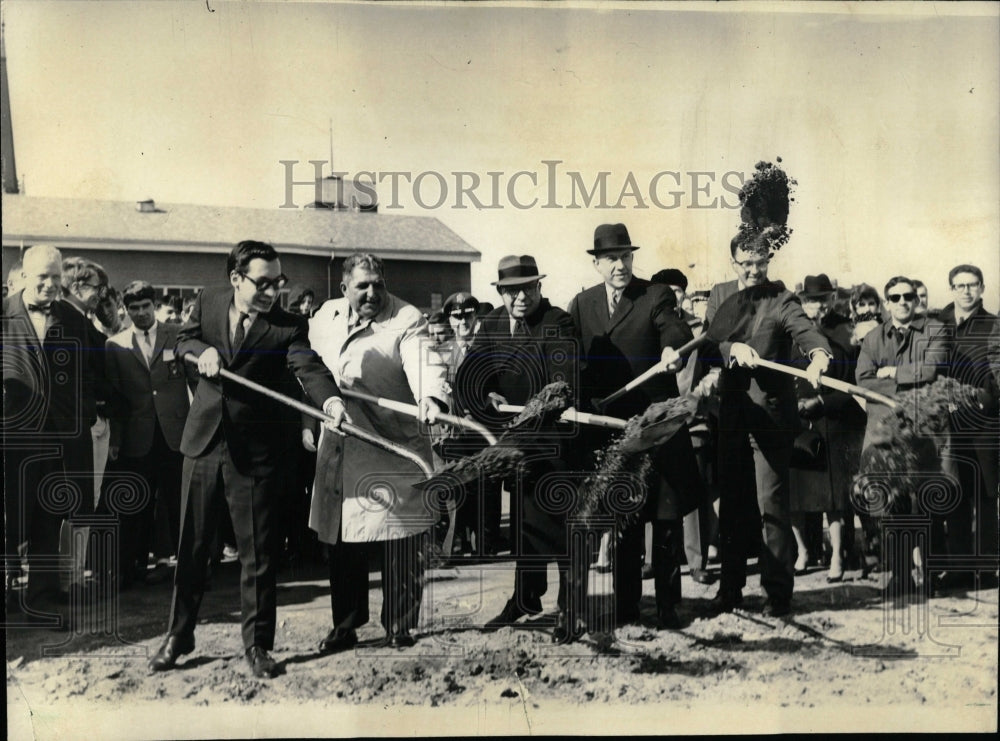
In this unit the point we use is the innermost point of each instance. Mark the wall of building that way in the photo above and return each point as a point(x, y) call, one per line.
point(415, 282)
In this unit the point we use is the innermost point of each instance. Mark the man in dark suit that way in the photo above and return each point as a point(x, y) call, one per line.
point(758, 419)
point(626, 325)
point(146, 438)
point(974, 450)
point(522, 346)
point(47, 449)
point(85, 287)
point(237, 440)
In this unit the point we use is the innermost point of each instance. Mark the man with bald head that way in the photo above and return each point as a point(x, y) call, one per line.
point(46, 427)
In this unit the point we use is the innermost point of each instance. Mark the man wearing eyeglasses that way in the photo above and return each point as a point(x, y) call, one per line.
point(236, 443)
point(974, 453)
point(521, 347)
point(758, 418)
point(84, 287)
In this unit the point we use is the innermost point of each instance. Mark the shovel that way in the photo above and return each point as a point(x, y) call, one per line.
point(345, 427)
point(601, 404)
point(412, 411)
point(832, 383)
point(572, 415)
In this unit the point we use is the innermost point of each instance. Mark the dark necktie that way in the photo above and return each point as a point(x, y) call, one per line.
point(241, 331)
point(39, 309)
point(615, 298)
point(520, 328)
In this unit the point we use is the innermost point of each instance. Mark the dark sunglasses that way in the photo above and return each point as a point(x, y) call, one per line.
point(264, 283)
point(894, 298)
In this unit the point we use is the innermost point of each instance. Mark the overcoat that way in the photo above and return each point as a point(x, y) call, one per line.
point(362, 493)
point(616, 349)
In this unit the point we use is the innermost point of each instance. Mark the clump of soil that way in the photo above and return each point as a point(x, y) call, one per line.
point(545, 407)
point(765, 201)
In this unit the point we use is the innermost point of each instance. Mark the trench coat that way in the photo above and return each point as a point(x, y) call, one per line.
point(362, 493)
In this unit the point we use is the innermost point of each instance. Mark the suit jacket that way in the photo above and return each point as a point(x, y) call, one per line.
point(156, 395)
point(970, 364)
point(770, 319)
point(516, 367)
point(392, 357)
point(619, 348)
point(259, 431)
point(45, 415)
point(43, 379)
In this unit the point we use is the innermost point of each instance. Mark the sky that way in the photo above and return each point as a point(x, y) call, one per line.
point(885, 114)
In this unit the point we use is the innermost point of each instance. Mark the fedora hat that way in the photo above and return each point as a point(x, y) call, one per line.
point(609, 237)
point(817, 285)
point(515, 270)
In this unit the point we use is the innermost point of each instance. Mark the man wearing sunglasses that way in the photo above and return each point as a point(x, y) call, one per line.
point(907, 352)
point(236, 442)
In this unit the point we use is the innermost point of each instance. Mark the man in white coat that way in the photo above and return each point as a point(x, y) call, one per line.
point(363, 499)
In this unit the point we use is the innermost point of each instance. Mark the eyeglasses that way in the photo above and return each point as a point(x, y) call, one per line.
point(102, 289)
point(965, 286)
point(460, 315)
point(264, 283)
point(748, 264)
point(513, 291)
point(895, 298)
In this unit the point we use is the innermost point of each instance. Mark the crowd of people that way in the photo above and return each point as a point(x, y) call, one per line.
point(139, 407)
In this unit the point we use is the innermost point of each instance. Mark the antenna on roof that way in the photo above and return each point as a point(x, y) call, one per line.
point(331, 146)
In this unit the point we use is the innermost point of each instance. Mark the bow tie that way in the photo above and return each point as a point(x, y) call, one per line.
point(39, 309)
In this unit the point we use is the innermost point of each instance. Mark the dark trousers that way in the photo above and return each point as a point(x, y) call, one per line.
point(402, 582)
point(753, 443)
point(160, 470)
point(973, 525)
point(668, 555)
point(250, 501)
point(46, 480)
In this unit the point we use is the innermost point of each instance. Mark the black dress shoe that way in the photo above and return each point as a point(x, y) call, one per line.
point(260, 661)
point(567, 630)
point(647, 571)
point(512, 612)
point(776, 608)
point(338, 640)
point(171, 650)
point(396, 640)
point(726, 600)
point(668, 619)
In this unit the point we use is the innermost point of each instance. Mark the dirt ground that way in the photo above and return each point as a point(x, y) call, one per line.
point(845, 660)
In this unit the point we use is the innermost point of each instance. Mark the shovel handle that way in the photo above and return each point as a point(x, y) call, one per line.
point(832, 383)
point(656, 370)
point(572, 415)
point(413, 411)
point(346, 427)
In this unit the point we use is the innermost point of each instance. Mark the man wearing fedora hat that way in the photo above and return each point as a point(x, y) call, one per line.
point(521, 347)
point(626, 325)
